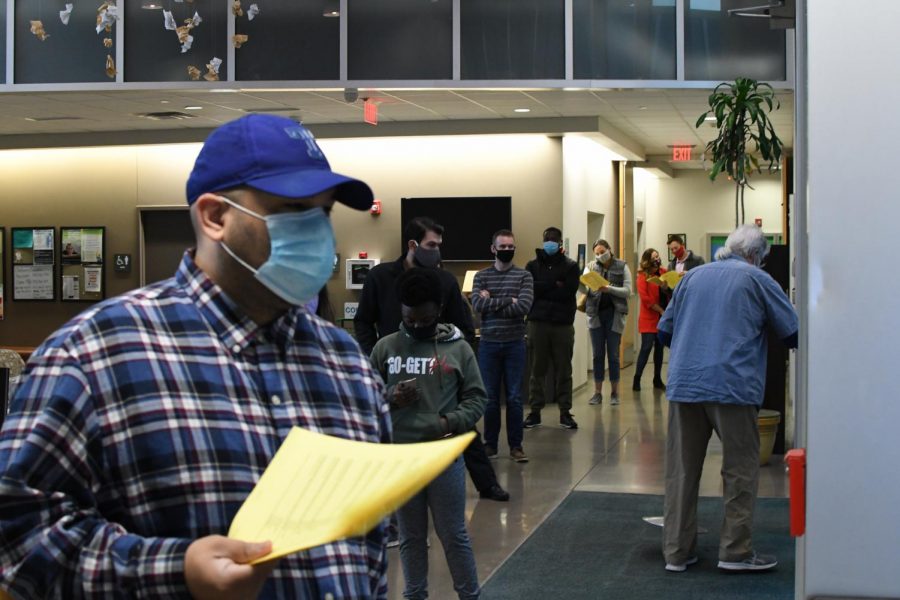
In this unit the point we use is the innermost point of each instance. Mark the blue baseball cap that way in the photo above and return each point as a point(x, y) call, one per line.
point(272, 154)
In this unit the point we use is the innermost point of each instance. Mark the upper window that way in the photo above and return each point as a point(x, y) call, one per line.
point(511, 39)
point(288, 41)
point(624, 39)
point(154, 53)
point(399, 39)
point(721, 47)
point(57, 52)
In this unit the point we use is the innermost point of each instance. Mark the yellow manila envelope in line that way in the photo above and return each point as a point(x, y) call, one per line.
point(319, 489)
point(670, 277)
point(594, 280)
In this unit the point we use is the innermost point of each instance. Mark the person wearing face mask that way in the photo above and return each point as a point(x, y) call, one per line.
point(435, 391)
point(607, 311)
point(716, 325)
point(685, 259)
point(502, 294)
point(378, 314)
point(653, 304)
point(168, 402)
point(551, 331)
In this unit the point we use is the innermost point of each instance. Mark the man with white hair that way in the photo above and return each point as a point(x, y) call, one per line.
point(716, 327)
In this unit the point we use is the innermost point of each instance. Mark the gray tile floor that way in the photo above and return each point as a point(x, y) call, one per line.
point(615, 449)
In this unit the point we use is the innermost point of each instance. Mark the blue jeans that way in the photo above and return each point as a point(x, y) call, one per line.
point(605, 342)
point(446, 498)
point(502, 361)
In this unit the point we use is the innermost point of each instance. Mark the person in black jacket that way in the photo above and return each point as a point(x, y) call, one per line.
point(378, 315)
point(551, 330)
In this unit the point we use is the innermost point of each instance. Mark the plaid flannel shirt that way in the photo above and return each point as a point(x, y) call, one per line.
point(144, 423)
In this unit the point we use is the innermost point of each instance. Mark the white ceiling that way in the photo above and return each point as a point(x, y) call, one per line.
point(652, 119)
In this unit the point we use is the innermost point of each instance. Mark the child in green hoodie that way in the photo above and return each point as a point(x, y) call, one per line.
point(435, 390)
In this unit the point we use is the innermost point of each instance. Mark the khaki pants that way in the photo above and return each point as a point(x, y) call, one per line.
point(551, 345)
point(690, 427)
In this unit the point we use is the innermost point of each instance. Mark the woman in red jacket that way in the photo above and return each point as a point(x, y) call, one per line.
point(653, 302)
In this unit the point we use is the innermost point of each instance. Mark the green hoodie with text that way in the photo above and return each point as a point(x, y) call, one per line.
point(447, 377)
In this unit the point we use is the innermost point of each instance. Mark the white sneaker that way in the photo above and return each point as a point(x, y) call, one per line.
point(757, 562)
point(682, 567)
point(614, 400)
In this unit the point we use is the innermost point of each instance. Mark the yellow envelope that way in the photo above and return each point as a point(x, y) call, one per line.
point(468, 282)
point(671, 278)
point(319, 489)
point(594, 280)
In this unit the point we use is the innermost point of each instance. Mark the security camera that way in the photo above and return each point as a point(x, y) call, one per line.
point(351, 95)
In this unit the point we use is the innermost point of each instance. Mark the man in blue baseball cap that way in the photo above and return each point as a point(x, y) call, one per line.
point(140, 427)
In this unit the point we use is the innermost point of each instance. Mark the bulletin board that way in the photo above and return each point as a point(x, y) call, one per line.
point(2, 269)
point(82, 252)
point(33, 263)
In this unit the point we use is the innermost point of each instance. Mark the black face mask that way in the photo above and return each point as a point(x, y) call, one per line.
point(423, 332)
point(505, 256)
point(655, 263)
point(424, 257)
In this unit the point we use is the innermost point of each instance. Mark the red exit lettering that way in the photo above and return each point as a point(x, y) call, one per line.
point(681, 153)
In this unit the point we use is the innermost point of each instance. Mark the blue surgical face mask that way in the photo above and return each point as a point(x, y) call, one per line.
point(551, 248)
point(301, 253)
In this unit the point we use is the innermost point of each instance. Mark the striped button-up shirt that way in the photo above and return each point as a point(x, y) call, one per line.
point(143, 424)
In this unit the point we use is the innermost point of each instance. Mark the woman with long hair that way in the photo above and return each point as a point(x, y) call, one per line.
point(654, 298)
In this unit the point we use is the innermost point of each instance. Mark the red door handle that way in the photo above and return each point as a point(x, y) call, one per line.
point(796, 464)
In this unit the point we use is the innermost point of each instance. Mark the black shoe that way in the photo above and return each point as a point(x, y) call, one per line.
point(491, 451)
point(636, 386)
point(659, 385)
point(495, 492)
point(567, 422)
point(532, 420)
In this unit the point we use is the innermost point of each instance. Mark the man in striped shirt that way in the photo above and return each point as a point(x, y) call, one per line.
point(140, 427)
point(502, 294)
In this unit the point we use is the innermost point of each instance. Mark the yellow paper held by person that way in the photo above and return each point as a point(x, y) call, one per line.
point(594, 280)
point(319, 489)
point(671, 278)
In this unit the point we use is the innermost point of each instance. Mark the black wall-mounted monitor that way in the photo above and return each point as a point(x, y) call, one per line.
point(469, 223)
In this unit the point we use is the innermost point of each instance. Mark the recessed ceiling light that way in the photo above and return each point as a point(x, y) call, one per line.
point(193, 108)
point(710, 118)
point(642, 108)
point(522, 110)
point(163, 101)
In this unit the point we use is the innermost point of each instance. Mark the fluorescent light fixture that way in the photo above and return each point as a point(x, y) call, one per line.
point(522, 110)
point(193, 108)
point(710, 118)
point(151, 4)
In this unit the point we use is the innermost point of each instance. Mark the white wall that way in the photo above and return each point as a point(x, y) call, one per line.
point(588, 184)
point(692, 204)
point(852, 544)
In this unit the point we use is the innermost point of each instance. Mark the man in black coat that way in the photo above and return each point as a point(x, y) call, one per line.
point(378, 315)
point(551, 330)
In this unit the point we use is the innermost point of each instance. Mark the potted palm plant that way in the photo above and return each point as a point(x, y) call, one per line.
point(741, 112)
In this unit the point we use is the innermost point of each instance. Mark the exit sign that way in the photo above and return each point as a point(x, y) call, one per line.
point(681, 153)
point(370, 112)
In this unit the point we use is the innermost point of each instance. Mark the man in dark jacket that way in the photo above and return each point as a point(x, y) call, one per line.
point(551, 330)
point(378, 315)
point(685, 259)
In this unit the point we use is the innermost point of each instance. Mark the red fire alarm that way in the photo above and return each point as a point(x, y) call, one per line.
point(364, 255)
point(375, 210)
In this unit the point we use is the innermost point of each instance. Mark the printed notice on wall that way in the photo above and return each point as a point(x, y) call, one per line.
point(91, 248)
point(33, 282)
point(92, 279)
point(70, 287)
